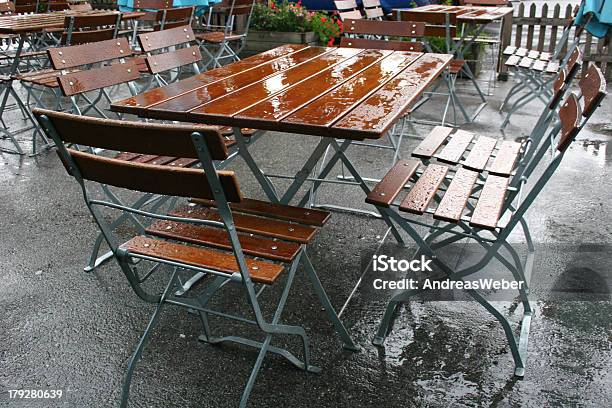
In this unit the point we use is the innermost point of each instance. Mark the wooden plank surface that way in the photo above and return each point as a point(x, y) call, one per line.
point(479, 156)
point(456, 196)
point(490, 202)
point(392, 183)
point(26, 23)
point(505, 158)
point(454, 149)
point(424, 189)
point(430, 145)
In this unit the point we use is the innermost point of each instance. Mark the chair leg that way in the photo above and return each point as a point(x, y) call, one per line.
point(125, 393)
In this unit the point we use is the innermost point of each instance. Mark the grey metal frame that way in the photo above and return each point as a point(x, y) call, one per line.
point(199, 303)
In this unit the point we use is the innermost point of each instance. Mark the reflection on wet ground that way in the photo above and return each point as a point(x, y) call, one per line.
point(61, 328)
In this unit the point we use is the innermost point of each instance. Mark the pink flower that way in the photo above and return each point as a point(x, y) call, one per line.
point(330, 42)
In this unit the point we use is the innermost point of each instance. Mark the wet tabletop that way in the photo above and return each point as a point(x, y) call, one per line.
point(347, 93)
point(474, 14)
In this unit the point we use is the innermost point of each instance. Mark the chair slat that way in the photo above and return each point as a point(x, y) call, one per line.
point(481, 152)
point(266, 227)
point(84, 37)
point(353, 14)
point(376, 12)
point(166, 38)
point(593, 88)
point(173, 59)
point(506, 158)
point(392, 183)
point(432, 142)
point(456, 146)
point(98, 78)
point(259, 271)
point(513, 60)
point(488, 208)
point(394, 45)
point(92, 20)
point(197, 234)
point(569, 115)
point(69, 57)
point(456, 196)
point(408, 29)
point(421, 194)
point(164, 180)
point(306, 216)
point(135, 137)
point(429, 17)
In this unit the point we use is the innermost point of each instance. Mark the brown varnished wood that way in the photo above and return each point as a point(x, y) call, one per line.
point(490, 202)
point(558, 88)
point(152, 4)
point(394, 45)
point(31, 23)
point(173, 59)
point(456, 196)
point(288, 101)
point(98, 78)
point(197, 234)
point(84, 37)
point(306, 216)
point(384, 193)
point(593, 88)
point(135, 137)
point(421, 194)
point(333, 105)
point(506, 157)
point(139, 104)
point(185, 103)
point(378, 112)
point(410, 29)
point(267, 227)
point(259, 271)
point(91, 20)
point(77, 55)
point(233, 103)
point(183, 162)
point(456, 146)
point(569, 115)
point(573, 63)
point(148, 178)
point(480, 153)
point(432, 142)
point(166, 38)
point(429, 17)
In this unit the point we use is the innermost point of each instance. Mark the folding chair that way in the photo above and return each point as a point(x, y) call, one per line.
point(217, 42)
point(496, 203)
point(535, 71)
point(348, 9)
point(218, 238)
point(169, 50)
point(373, 9)
point(444, 25)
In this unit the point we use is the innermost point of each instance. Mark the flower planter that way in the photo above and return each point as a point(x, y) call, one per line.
point(260, 41)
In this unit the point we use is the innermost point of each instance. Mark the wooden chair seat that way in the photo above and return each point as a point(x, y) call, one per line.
point(216, 36)
point(479, 154)
point(433, 181)
point(260, 271)
point(455, 66)
point(46, 78)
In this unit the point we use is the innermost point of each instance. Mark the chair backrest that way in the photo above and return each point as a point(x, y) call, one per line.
point(484, 2)
point(169, 59)
point(405, 29)
point(152, 4)
point(26, 6)
point(348, 9)
point(57, 5)
point(82, 29)
point(173, 17)
point(7, 7)
point(143, 138)
point(373, 9)
point(72, 83)
point(437, 24)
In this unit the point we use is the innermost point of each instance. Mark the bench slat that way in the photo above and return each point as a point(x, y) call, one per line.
point(513, 60)
point(306, 216)
point(251, 224)
point(455, 147)
point(505, 158)
point(394, 181)
point(260, 271)
point(489, 205)
point(423, 191)
point(216, 237)
point(480, 153)
point(456, 196)
point(432, 142)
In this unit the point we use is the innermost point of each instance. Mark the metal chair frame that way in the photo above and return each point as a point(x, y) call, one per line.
point(200, 302)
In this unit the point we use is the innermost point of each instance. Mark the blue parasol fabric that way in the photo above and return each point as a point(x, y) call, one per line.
point(201, 5)
point(600, 24)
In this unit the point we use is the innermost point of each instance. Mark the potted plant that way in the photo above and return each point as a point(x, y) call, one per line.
point(276, 23)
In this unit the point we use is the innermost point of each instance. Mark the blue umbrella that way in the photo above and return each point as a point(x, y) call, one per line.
point(601, 16)
point(201, 5)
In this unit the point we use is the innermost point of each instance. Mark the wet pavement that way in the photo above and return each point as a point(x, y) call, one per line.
point(61, 328)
